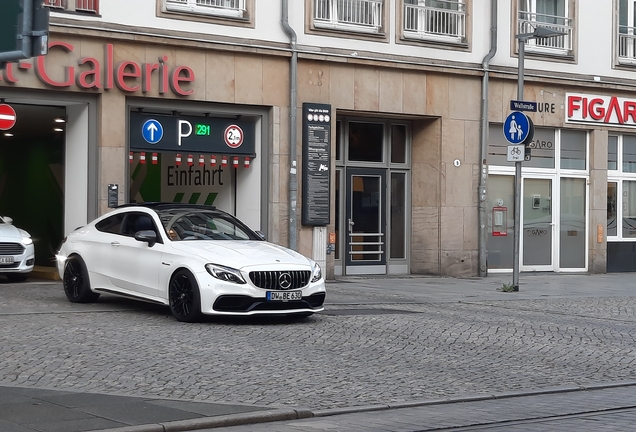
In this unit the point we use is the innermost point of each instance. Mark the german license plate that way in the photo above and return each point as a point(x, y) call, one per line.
point(6, 260)
point(284, 295)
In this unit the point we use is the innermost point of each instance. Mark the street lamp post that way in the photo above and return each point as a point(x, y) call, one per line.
point(538, 33)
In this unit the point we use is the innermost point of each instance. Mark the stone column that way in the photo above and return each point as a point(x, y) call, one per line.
point(597, 260)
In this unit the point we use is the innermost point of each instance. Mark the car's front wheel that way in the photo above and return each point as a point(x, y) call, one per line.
point(77, 287)
point(185, 300)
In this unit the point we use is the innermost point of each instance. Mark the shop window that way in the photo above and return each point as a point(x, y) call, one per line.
point(551, 14)
point(338, 140)
point(569, 145)
point(398, 215)
point(500, 221)
point(217, 8)
point(612, 199)
point(572, 223)
point(629, 154)
point(629, 209)
point(621, 188)
point(626, 32)
point(573, 149)
point(436, 20)
point(364, 16)
point(612, 153)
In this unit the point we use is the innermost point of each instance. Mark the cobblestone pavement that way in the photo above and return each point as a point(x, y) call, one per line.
point(357, 353)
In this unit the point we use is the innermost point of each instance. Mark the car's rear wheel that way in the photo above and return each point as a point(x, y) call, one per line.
point(77, 287)
point(185, 299)
point(17, 277)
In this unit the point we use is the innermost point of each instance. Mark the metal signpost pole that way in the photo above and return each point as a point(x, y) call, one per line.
point(517, 230)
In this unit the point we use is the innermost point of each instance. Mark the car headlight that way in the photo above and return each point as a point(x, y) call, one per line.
point(316, 275)
point(27, 241)
point(223, 273)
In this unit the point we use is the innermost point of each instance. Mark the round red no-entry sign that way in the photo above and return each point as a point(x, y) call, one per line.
point(7, 117)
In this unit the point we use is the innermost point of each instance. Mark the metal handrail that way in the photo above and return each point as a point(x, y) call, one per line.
point(426, 22)
point(626, 44)
point(561, 44)
point(362, 15)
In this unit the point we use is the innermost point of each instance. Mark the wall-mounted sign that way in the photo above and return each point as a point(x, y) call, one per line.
point(94, 73)
point(316, 164)
point(612, 110)
point(223, 136)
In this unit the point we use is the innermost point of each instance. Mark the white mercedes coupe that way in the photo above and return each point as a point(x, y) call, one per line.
point(17, 253)
point(194, 258)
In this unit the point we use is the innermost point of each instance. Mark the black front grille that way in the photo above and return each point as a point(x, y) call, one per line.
point(271, 280)
point(11, 249)
point(242, 303)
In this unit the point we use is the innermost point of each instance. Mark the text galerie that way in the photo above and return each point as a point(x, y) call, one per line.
point(128, 76)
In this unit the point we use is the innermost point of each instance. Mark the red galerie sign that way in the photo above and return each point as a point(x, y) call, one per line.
point(90, 73)
point(584, 108)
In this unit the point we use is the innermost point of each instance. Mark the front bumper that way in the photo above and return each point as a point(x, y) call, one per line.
point(22, 263)
point(224, 298)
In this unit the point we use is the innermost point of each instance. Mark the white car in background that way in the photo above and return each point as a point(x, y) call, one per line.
point(17, 253)
point(194, 258)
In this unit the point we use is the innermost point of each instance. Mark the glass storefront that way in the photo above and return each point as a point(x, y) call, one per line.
point(554, 199)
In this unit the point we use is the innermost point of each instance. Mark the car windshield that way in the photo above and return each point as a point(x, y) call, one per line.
point(194, 224)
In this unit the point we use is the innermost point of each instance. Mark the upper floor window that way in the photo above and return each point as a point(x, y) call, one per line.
point(353, 15)
point(626, 32)
point(551, 14)
point(221, 8)
point(441, 20)
point(90, 6)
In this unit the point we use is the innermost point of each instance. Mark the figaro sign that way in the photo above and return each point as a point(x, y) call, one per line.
point(611, 110)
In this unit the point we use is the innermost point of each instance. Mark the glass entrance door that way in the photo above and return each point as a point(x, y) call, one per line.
point(365, 224)
point(537, 225)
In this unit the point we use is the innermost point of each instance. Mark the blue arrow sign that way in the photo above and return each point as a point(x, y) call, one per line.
point(152, 131)
point(516, 127)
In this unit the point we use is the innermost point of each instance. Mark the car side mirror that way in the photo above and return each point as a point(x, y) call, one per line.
point(148, 236)
point(7, 219)
point(261, 235)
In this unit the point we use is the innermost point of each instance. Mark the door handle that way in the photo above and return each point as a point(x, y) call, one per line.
point(116, 244)
point(351, 224)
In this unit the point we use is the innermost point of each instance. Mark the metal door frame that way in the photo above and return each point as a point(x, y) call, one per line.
point(377, 267)
point(554, 203)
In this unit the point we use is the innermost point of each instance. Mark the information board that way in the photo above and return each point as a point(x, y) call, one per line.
point(316, 164)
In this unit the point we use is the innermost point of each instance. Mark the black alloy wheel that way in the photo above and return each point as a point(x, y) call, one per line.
point(185, 300)
point(76, 284)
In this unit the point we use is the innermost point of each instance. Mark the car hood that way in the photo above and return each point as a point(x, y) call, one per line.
point(241, 253)
point(10, 232)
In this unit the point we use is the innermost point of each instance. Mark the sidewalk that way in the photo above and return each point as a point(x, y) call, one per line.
point(29, 409)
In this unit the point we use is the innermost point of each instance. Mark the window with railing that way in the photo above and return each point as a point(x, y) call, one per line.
point(87, 6)
point(354, 15)
point(221, 8)
point(626, 32)
point(552, 15)
point(443, 20)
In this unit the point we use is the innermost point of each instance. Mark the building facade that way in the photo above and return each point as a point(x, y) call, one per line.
point(226, 102)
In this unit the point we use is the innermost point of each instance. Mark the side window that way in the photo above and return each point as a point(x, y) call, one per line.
point(111, 225)
point(138, 222)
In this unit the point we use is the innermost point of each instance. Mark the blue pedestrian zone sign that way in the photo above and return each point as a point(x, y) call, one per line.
point(516, 127)
point(152, 131)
